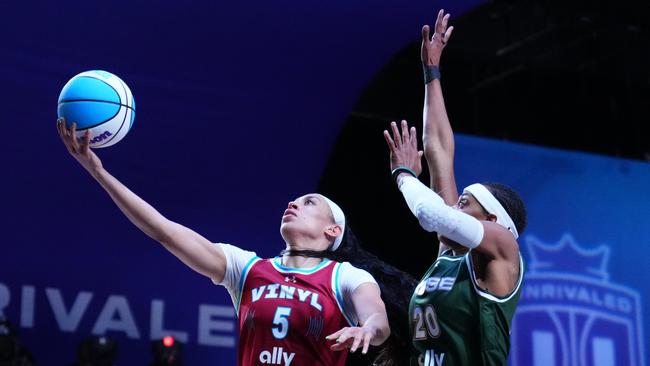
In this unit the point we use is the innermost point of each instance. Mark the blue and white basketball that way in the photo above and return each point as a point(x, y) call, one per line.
point(100, 102)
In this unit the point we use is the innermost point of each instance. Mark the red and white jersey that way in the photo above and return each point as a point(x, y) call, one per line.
point(286, 313)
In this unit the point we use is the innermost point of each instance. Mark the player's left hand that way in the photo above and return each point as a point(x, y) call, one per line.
point(352, 338)
point(432, 45)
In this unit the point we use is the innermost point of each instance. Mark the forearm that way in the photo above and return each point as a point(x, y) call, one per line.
point(434, 215)
point(191, 248)
point(438, 140)
point(436, 122)
point(139, 212)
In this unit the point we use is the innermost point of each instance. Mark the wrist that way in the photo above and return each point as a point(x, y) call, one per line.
point(373, 330)
point(96, 171)
point(400, 171)
point(431, 72)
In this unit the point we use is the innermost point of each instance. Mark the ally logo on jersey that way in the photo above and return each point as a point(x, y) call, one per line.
point(431, 358)
point(277, 356)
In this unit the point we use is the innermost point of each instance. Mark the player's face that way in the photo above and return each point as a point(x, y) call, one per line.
point(308, 216)
point(469, 205)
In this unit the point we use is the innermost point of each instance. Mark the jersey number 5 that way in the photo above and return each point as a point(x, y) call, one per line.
point(425, 317)
point(280, 322)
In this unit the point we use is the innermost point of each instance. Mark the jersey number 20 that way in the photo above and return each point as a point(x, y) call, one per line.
point(425, 317)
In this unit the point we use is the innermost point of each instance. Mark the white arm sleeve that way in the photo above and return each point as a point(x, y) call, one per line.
point(236, 260)
point(434, 215)
point(351, 277)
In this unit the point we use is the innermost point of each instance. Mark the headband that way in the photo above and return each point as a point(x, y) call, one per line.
point(339, 219)
point(492, 206)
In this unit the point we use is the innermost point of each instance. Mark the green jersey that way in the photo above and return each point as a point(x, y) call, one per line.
point(454, 322)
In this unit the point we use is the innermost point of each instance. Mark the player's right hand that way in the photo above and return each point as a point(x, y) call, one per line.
point(79, 149)
point(403, 148)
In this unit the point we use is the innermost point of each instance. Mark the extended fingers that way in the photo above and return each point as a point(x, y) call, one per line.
point(445, 20)
point(357, 341)
point(396, 135)
point(60, 123)
point(439, 17)
point(389, 141)
point(344, 337)
point(344, 341)
point(414, 138)
point(406, 136)
point(425, 34)
point(73, 136)
point(335, 334)
point(64, 133)
point(366, 342)
point(85, 141)
point(448, 33)
point(441, 27)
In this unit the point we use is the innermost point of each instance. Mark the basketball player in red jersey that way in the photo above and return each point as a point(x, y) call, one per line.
point(294, 309)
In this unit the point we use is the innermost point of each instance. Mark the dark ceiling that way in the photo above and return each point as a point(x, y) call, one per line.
point(572, 75)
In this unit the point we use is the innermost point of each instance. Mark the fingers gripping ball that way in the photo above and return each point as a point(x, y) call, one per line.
point(99, 102)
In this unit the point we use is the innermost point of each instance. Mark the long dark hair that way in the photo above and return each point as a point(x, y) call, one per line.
point(396, 289)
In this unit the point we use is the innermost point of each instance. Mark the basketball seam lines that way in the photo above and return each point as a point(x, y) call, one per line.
point(126, 95)
point(103, 101)
point(101, 81)
point(94, 100)
point(102, 122)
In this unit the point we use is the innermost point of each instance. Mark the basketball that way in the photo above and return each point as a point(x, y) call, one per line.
point(99, 102)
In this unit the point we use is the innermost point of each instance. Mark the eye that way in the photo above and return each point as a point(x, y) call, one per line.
point(309, 201)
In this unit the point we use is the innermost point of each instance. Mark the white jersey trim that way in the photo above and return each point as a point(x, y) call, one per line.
point(242, 281)
point(282, 269)
point(488, 295)
point(338, 296)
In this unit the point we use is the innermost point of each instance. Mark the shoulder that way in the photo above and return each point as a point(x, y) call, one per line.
point(349, 277)
point(233, 251)
point(237, 259)
point(498, 243)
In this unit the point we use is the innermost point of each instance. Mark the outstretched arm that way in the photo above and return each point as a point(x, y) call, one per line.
point(191, 248)
point(438, 137)
point(373, 326)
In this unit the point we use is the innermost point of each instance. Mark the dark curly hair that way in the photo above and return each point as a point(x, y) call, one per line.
point(511, 202)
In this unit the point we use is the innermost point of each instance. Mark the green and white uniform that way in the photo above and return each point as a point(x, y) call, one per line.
point(454, 322)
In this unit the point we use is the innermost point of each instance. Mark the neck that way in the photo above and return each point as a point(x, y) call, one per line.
point(456, 249)
point(299, 261)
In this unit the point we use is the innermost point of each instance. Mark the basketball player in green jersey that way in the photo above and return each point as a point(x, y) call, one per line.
point(462, 309)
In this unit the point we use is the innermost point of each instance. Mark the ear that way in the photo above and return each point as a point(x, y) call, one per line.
point(491, 217)
point(333, 231)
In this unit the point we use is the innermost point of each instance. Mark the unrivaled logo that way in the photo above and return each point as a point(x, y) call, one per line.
point(570, 314)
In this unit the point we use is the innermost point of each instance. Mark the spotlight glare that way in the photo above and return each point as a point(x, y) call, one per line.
point(168, 341)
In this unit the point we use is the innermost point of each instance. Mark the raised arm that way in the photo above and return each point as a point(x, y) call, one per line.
point(188, 246)
point(438, 137)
